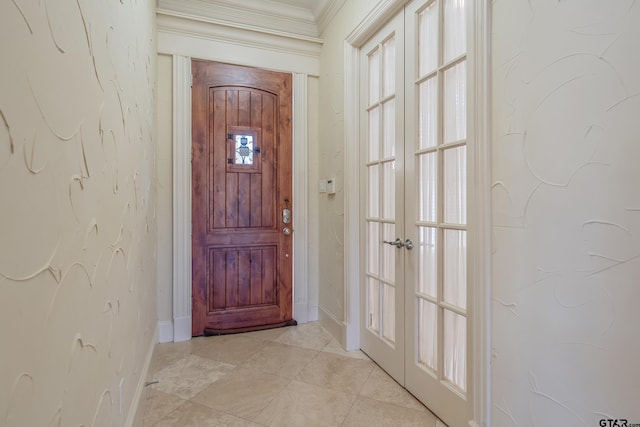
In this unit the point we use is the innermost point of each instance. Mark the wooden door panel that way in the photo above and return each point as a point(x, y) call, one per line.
point(256, 200)
point(244, 108)
point(218, 154)
point(244, 278)
point(241, 278)
point(231, 202)
point(243, 238)
point(217, 264)
point(239, 200)
point(242, 262)
point(244, 200)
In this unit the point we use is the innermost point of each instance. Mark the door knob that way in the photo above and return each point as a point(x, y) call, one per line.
point(397, 243)
point(408, 244)
point(286, 231)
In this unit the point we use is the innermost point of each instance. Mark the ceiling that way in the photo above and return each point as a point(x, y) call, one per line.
point(315, 7)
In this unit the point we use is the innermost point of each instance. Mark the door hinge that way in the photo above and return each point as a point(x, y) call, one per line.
point(191, 80)
point(230, 136)
point(192, 229)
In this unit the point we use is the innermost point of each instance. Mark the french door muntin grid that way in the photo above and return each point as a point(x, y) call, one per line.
point(380, 165)
point(440, 306)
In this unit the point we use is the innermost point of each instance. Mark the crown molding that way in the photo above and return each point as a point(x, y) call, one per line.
point(325, 11)
point(259, 15)
point(275, 41)
point(196, 38)
point(376, 18)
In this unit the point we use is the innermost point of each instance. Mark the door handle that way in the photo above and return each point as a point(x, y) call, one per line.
point(397, 243)
point(287, 231)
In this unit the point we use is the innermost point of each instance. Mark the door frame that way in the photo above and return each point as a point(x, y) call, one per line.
point(479, 205)
point(182, 146)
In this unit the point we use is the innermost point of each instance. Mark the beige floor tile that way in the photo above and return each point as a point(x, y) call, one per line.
point(372, 413)
point(335, 347)
point(280, 359)
point(233, 349)
point(190, 375)
point(159, 404)
point(246, 380)
point(267, 334)
point(380, 386)
point(307, 335)
point(243, 392)
point(167, 353)
point(194, 415)
point(301, 404)
point(336, 372)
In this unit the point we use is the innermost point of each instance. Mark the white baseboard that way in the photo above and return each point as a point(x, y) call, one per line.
point(301, 312)
point(333, 325)
point(182, 329)
point(313, 313)
point(304, 313)
point(135, 402)
point(165, 331)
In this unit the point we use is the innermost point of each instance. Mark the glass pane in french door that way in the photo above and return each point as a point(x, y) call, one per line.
point(455, 349)
point(427, 343)
point(454, 273)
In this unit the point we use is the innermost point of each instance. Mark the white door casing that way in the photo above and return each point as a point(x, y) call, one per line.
point(182, 198)
point(184, 38)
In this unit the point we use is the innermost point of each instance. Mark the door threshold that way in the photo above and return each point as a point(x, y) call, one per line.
point(211, 332)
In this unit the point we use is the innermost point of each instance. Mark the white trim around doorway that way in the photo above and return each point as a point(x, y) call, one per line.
point(182, 298)
point(182, 154)
point(184, 38)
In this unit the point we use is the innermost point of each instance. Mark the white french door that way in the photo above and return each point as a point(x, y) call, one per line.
point(414, 146)
point(436, 309)
point(382, 118)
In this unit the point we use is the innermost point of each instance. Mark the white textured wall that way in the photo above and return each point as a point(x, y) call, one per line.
point(165, 191)
point(77, 208)
point(331, 155)
point(566, 212)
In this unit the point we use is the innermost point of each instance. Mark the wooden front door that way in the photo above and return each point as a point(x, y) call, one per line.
point(241, 180)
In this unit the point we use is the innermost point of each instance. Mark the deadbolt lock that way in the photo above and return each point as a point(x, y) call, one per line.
point(286, 216)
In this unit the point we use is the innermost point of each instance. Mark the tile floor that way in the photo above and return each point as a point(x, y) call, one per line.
point(295, 376)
